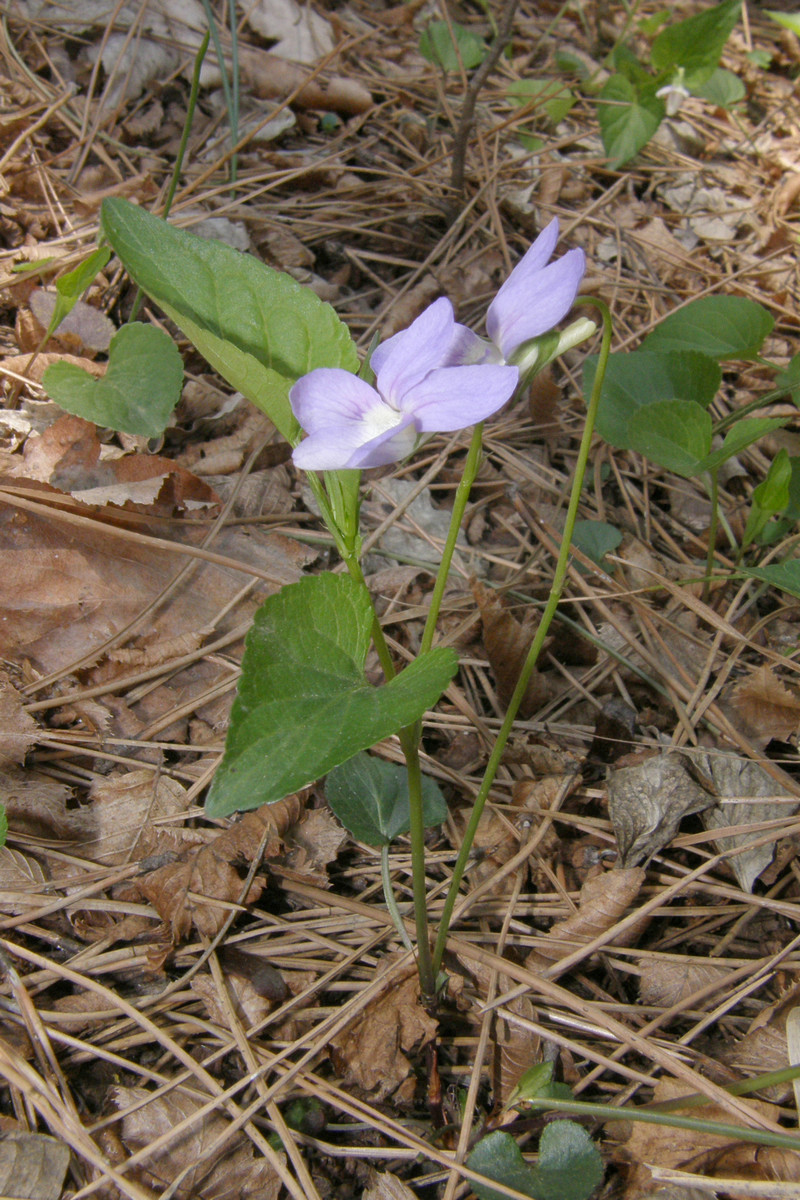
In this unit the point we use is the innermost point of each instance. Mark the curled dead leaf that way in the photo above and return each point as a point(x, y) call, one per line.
point(648, 799)
point(604, 900)
point(198, 889)
point(507, 644)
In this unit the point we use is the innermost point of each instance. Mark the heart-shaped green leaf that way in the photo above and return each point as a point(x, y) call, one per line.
point(674, 433)
point(696, 44)
point(304, 704)
point(641, 377)
point(139, 390)
point(370, 798)
point(258, 327)
point(629, 114)
point(569, 1167)
point(722, 327)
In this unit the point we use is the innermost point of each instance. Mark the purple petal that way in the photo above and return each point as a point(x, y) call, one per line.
point(456, 397)
point(330, 395)
point(339, 448)
point(528, 304)
point(410, 355)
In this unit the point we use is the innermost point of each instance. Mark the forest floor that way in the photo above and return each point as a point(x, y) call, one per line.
point(224, 1009)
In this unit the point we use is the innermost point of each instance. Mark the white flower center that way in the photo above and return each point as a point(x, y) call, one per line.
point(379, 419)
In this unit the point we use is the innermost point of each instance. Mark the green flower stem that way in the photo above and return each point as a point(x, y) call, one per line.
point(742, 1087)
point(391, 903)
point(459, 506)
point(409, 740)
point(533, 654)
point(607, 1112)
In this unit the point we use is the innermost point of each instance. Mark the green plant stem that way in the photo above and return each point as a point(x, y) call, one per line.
point(606, 1112)
point(226, 85)
point(409, 740)
point(391, 903)
point(712, 533)
point(459, 506)
point(187, 124)
point(742, 1087)
point(234, 114)
point(176, 170)
point(538, 641)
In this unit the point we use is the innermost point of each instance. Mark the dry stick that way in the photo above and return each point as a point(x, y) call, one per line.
point(471, 95)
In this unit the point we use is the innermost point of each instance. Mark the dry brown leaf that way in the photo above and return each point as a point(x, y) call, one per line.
point(18, 730)
point(230, 1172)
point(667, 982)
point(315, 841)
point(495, 842)
point(763, 707)
point(33, 369)
point(386, 1187)
point(764, 1047)
point(747, 795)
point(604, 900)
point(648, 799)
point(250, 1007)
point(410, 305)
point(369, 1053)
point(33, 1166)
point(67, 588)
point(108, 829)
point(269, 77)
point(516, 1049)
point(507, 643)
point(22, 882)
point(198, 888)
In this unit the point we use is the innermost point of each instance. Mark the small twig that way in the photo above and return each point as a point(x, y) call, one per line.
point(473, 90)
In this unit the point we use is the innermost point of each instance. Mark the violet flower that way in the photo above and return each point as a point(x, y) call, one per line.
point(422, 386)
point(536, 295)
point(534, 298)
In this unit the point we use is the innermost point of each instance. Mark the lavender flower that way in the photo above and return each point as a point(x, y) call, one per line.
point(534, 298)
point(536, 295)
point(422, 386)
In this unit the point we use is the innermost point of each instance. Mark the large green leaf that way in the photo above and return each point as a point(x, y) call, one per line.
point(785, 575)
point(254, 324)
point(139, 390)
point(629, 114)
point(634, 380)
point(304, 704)
point(674, 433)
point(569, 1166)
point(370, 798)
point(696, 44)
point(720, 326)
